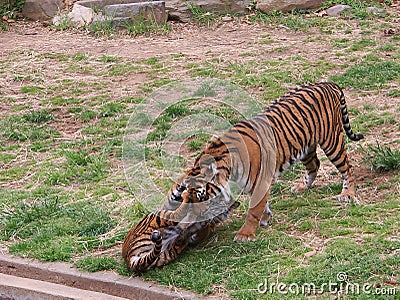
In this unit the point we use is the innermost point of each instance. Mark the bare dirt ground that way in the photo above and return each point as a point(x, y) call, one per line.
point(228, 39)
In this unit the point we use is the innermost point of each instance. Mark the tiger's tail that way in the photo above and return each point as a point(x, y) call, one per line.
point(346, 121)
point(142, 263)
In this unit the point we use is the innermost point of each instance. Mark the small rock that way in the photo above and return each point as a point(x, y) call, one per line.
point(321, 13)
point(376, 11)
point(227, 19)
point(336, 10)
point(392, 31)
point(81, 15)
point(57, 20)
point(310, 254)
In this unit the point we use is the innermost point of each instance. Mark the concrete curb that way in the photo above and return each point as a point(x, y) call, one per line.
point(19, 288)
point(30, 278)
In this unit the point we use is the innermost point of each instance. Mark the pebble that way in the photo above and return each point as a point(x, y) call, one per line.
point(336, 10)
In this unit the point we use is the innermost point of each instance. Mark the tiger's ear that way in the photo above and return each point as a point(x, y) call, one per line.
point(208, 167)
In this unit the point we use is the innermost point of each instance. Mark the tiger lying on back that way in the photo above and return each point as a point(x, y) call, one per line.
point(160, 237)
point(294, 125)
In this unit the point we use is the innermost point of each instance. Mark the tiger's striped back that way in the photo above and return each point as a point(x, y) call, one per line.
point(254, 152)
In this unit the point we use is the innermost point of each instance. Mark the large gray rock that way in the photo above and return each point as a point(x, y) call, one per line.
point(41, 9)
point(179, 9)
point(153, 10)
point(269, 6)
point(119, 12)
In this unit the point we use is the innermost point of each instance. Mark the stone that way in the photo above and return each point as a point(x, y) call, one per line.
point(179, 10)
point(81, 16)
point(154, 10)
point(227, 19)
point(269, 6)
point(42, 10)
point(58, 19)
point(336, 10)
point(120, 12)
point(311, 253)
point(376, 11)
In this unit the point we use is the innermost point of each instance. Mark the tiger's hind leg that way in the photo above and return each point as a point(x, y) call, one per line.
point(337, 154)
point(266, 216)
point(312, 163)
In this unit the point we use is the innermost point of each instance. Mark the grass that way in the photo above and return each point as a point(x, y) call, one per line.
point(64, 23)
point(358, 10)
point(13, 129)
point(383, 158)
point(294, 21)
point(93, 264)
point(371, 72)
point(50, 230)
point(39, 116)
point(202, 16)
point(11, 8)
point(64, 195)
point(105, 27)
point(140, 25)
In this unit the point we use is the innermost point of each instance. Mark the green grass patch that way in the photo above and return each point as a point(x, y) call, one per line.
point(362, 44)
point(382, 158)
point(394, 93)
point(51, 229)
point(141, 25)
point(38, 116)
point(358, 8)
point(11, 8)
point(94, 264)
point(367, 119)
point(87, 115)
point(111, 109)
point(371, 73)
point(295, 21)
point(202, 16)
point(104, 27)
point(32, 90)
point(12, 128)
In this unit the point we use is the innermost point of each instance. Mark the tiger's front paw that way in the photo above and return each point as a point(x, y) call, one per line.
point(244, 236)
point(241, 238)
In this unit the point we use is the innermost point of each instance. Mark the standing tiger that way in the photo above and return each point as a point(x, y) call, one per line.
point(254, 152)
point(160, 237)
